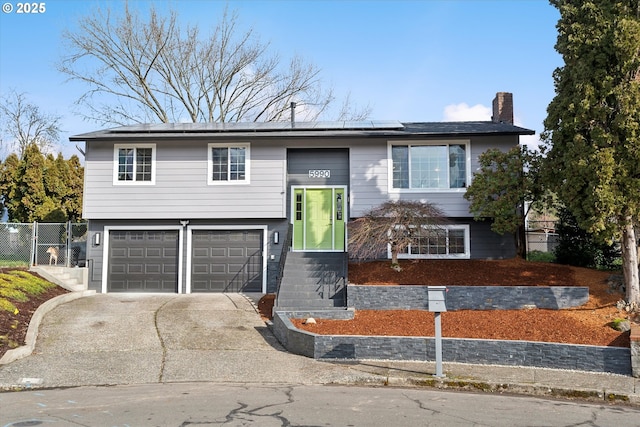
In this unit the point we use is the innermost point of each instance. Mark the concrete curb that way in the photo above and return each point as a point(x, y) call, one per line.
point(569, 393)
point(34, 325)
point(388, 377)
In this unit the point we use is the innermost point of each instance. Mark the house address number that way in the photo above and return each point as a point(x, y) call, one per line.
point(320, 173)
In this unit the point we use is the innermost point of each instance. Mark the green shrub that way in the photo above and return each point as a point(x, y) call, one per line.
point(13, 294)
point(539, 256)
point(580, 248)
point(6, 305)
point(18, 286)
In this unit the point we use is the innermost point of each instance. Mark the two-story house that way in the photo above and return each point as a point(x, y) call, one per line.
point(209, 207)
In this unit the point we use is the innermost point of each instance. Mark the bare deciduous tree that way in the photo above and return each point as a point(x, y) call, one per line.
point(150, 70)
point(396, 224)
point(26, 124)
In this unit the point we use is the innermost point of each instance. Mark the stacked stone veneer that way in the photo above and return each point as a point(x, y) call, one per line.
point(414, 297)
point(511, 353)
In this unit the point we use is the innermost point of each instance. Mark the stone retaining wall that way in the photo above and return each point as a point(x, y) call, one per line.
point(414, 297)
point(511, 353)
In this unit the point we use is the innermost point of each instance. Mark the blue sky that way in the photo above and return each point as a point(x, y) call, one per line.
point(419, 60)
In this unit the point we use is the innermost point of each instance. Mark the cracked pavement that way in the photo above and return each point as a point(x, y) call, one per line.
point(204, 404)
point(113, 339)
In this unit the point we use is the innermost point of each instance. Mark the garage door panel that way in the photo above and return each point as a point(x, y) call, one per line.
point(218, 252)
point(117, 285)
point(153, 269)
point(135, 268)
point(154, 253)
point(233, 259)
point(200, 268)
point(199, 285)
point(143, 261)
point(119, 252)
point(235, 267)
point(200, 253)
point(237, 252)
point(135, 253)
point(217, 268)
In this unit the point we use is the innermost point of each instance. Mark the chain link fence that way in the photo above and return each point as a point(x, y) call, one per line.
point(61, 244)
point(541, 236)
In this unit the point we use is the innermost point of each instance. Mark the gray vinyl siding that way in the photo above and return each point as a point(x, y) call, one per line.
point(181, 189)
point(485, 244)
point(94, 256)
point(370, 176)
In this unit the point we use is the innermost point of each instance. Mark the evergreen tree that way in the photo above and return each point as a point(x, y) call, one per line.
point(30, 195)
point(505, 181)
point(8, 178)
point(39, 188)
point(73, 179)
point(579, 247)
point(592, 129)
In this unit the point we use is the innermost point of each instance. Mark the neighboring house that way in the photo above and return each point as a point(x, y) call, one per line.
point(208, 207)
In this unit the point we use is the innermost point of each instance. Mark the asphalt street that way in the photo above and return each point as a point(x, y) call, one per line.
point(140, 360)
point(206, 404)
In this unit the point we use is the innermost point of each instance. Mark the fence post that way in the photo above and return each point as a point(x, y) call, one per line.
point(67, 257)
point(34, 243)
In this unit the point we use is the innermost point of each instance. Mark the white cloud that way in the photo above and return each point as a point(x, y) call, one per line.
point(464, 113)
point(531, 141)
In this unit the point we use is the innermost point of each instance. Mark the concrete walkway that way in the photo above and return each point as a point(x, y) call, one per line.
point(116, 339)
point(108, 339)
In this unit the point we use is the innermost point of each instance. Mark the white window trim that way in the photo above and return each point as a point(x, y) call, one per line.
point(116, 159)
point(247, 164)
point(390, 144)
point(465, 255)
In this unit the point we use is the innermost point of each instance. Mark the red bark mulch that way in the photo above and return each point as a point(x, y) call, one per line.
point(588, 324)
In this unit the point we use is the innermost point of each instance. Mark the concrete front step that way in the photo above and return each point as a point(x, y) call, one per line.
point(313, 280)
point(310, 285)
point(323, 275)
point(315, 291)
point(74, 279)
point(305, 304)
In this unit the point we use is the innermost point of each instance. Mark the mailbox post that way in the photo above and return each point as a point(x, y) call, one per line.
point(437, 304)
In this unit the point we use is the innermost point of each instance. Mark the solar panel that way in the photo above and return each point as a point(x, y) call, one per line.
point(387, 124)
point(259, 126)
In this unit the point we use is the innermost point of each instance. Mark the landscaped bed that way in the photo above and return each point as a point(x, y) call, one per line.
point(589, 324)
point(21, 293)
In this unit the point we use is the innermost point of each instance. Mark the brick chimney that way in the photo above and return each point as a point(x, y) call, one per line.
point(503, 108)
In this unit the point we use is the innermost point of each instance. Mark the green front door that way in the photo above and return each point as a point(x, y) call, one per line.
point(318, 219)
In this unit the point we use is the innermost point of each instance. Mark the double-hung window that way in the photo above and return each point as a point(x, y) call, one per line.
point(451, 241)
point(430, 165)
point(134, 164)
point(228, 163)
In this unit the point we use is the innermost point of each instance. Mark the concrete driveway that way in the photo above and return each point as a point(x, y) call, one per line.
point(108, 339)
